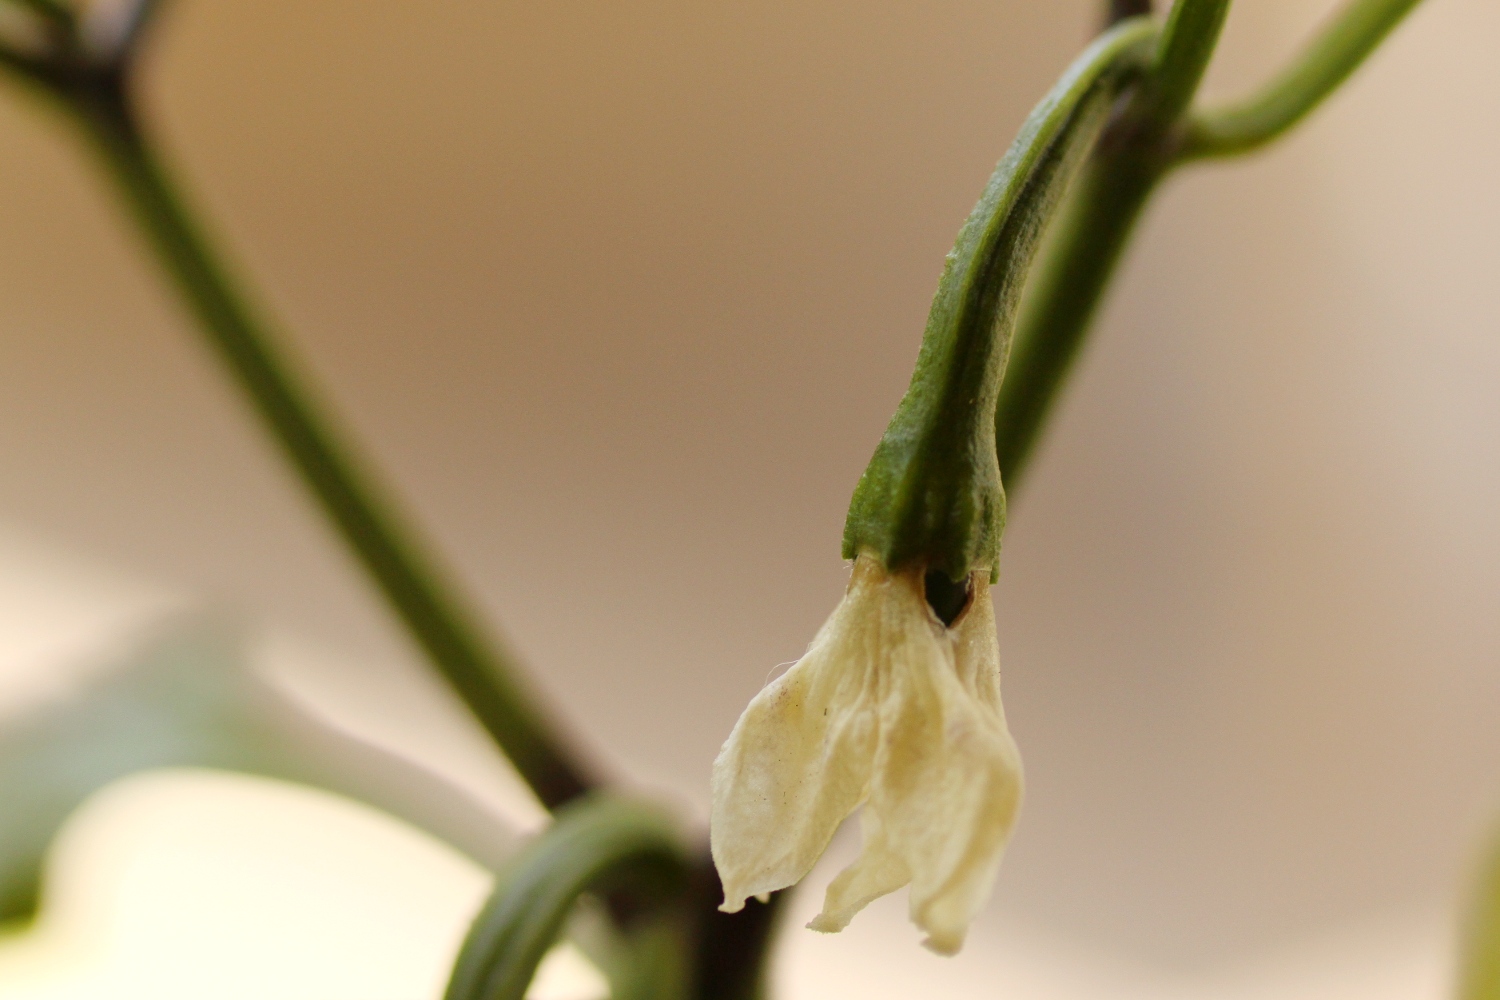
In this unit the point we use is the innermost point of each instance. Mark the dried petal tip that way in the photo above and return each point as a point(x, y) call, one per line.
point(891, 710)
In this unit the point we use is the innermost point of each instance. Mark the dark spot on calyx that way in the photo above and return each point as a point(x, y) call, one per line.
point(947, 599)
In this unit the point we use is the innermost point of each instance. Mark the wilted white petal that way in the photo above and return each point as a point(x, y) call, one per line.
point(892, 710)
point(945, 791)
point(798, 761)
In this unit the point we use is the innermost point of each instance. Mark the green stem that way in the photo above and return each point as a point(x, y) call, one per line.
point(482, 675)
point(1333, 54)
point(932, 494)
point(1145, 143)
point(1063, 297)
point(730, 953)
point(1187, 43)
point(594, 845)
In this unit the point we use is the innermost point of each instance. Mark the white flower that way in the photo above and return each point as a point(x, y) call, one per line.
point(891, 710)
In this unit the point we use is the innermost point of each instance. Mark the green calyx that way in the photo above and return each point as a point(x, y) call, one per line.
point(932, 493)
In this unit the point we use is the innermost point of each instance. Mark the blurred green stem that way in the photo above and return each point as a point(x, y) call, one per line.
point(595, 844)
point(1065, 289)
point(1063, 295)
point(1334, 53)
point(483, 676)
point(1150, 136)
point(931, 493)
point(1187, 44)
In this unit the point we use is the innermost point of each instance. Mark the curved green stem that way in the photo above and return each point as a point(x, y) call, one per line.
point(1064, 293)
point(1334, 53)
point(1063, 297)
point(932, 493)
point(1146, 142)
point(483, 675)
point(1187, 44)
point(595, 844)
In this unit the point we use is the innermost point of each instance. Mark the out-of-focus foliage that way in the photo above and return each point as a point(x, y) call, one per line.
point(185, 696)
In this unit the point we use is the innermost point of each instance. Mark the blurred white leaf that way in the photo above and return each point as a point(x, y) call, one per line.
point(187, 884)
point(184, 696)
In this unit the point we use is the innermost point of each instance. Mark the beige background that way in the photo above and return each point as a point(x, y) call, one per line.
point(621, 296)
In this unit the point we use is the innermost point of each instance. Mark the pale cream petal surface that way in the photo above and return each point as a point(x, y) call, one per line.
point(799, 760)
point(894, 711)
point(946, 785)
point(878, 870)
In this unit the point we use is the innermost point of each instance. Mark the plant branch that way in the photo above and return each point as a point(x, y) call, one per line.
point(1334, 53)
point(730, 949)
point(1063, 296)
point(1080, 253)
point(594, 845)
point(483, 675)
point(1146, 141)
point(932, 491)
point(1187, 44)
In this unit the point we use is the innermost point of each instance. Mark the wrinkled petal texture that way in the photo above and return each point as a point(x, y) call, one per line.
point(892, 711)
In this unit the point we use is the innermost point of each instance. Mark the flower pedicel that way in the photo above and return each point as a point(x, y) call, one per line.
point(896, 705)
